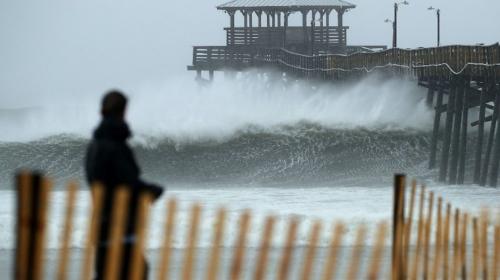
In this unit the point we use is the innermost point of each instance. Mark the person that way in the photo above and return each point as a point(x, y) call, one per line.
point(110, 161)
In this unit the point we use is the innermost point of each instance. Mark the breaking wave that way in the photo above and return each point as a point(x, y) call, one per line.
point(300, 155)
point(246, 131)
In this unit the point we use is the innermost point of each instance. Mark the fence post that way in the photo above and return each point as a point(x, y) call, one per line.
point(33, 195)
point(23, 228)
point(398, 228)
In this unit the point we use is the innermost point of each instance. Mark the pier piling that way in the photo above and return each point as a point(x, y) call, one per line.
point(491, 138)
point(445, 154)
point(463, 140)
point(435, 131)
point(455, 145)
point(480, 136)
point(496, 153)
point(430, 94)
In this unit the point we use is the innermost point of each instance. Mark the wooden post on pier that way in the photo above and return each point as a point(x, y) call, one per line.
point(455, 144)
point(491, 138)
point(480, 136)
point(463, 140)
point(443, 170)
point(496, 152)
point(211, 75)
point(430, 94)
point(435, 132)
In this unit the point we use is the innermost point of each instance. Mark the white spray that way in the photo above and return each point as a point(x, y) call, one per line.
point(181, 110)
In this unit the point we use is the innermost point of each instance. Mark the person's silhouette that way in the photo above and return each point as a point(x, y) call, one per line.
point(110, 161)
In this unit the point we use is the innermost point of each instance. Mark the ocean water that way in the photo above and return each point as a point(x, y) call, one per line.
point(248, 131)
point(288, 149)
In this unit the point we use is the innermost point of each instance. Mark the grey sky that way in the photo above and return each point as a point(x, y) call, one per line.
point(73, 47)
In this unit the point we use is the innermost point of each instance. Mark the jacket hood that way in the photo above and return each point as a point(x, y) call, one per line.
point(112, 129)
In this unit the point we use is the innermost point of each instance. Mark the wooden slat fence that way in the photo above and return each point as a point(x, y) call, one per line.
point(430, 241)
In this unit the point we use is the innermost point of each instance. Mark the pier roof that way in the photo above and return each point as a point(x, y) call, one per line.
point(289, 4)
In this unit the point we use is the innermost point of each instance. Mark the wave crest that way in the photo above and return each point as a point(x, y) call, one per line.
point(299, 155)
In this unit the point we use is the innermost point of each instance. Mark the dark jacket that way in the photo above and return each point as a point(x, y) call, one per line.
point(110, 161)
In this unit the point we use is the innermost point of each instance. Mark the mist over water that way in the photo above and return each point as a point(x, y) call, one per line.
point(182, 111)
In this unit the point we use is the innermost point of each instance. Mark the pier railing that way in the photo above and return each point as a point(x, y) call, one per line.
point(429, 240)
point(424, 63)
point(222, 57)
point(277, 37)
point(439, 62)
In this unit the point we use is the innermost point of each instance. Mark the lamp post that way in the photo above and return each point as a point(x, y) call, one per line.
point(393, 31)
point(395, 23)
point(438, 14)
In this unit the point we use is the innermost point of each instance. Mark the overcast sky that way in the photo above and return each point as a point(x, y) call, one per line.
point(57, 47)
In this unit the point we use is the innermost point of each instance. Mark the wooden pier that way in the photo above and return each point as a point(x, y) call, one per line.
point(266, 27)
point(462, 81)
